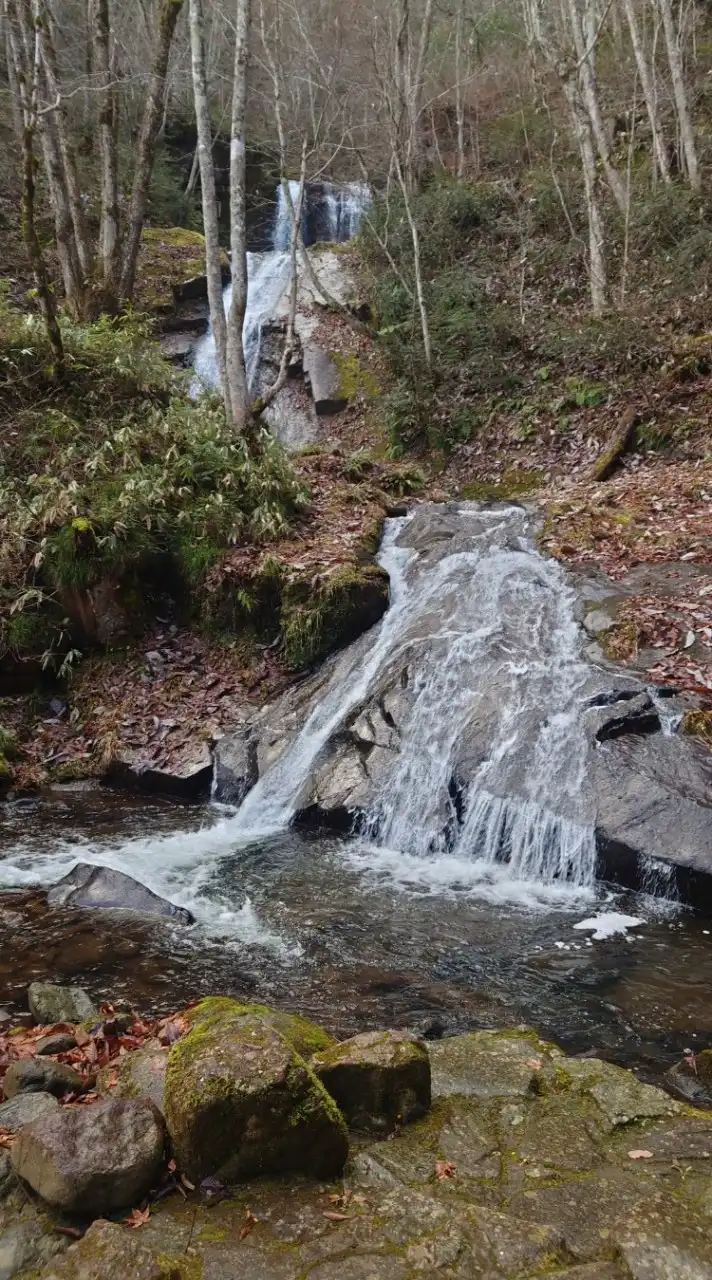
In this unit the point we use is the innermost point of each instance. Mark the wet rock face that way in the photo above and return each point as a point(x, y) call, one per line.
point(89, 886)
point(378, 1079)
point(94, 1159)
point(638, 789)
point(241, 1101)
point(49, 1003)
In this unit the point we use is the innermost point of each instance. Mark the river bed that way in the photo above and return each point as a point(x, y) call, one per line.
point(348, 935)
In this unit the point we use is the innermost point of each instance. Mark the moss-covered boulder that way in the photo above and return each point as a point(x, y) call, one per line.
point(240, 1099)
point(379, 1079)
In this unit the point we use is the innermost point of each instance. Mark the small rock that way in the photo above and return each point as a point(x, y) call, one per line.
point(102, 887)
point(18, 1248)
point(49, 1045)
point(92, 1160)
point(378, 1079)
point(49, 1003)
point(140, 1074)
point(25, 1108)
point(31, 1075)
point(107, 1252)
point(6, 1019)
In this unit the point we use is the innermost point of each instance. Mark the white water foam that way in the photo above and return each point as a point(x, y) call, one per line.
point(609, 924)
point(182, 867)
point(488, 631)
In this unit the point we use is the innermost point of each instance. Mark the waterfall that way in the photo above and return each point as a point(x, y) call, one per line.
point(340, 210)
point(487, 636)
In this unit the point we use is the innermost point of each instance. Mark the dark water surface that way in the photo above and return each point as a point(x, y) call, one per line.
point(350, 936)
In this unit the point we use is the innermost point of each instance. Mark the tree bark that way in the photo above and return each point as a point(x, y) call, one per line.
point(646, 81)
point(236, 371)
point(682, 107)
point(150, 125)
point(109, 229)
point(209, 198)
point(27, 76)
point(583, 28)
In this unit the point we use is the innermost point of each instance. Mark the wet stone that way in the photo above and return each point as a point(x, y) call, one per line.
point(550, 1134)
point(49, 1004)
point(363, 1268)
point(25, 1108)
point(49, 1045)
point(465, 1141)
point(31, 1075)
point(620, 1097)
point(141, 1074)
point(487, 1064)
point(378, 1079)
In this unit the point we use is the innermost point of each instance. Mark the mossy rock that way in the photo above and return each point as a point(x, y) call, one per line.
point(698, 724)
point(515, 483)
point(379, 1079)
point(317, 620)
point(240, 1101)
point(168, 256)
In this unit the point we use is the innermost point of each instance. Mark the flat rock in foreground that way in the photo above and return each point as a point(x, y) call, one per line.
point(528, 1165)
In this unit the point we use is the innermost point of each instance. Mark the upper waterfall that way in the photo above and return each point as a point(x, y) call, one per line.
point(330, 213)
point(464, 713)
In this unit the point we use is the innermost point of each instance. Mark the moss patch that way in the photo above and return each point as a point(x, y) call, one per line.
point(317, 618)
point(698, 724)
point(168, 256)
point(514, 483)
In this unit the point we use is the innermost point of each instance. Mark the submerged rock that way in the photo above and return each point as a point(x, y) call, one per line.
point(94, 1159)
point(379, 1079)
point(49, 1003)
point(90, 886)
point(40, 1075)
point(241, 1101)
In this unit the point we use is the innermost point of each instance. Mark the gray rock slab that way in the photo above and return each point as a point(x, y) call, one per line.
point(25, 1108)
point(49, 1003)
point(102, 887)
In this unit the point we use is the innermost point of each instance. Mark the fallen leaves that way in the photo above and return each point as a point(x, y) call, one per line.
point(640, 1155)
point(138, 1217)
point(248, 1225)
point(444, 1169)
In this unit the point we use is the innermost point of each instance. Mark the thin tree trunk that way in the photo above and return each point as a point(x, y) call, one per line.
point(209, 198)
point(417, 265)
point(167, 19)
point(28, 80)
point(49, 60)
point(459, 99)
point(584, 33)
point(687, 132)
point(596, 242)
point(289, 341)
point(236, 371)
point(109, 229)
point(646, 82)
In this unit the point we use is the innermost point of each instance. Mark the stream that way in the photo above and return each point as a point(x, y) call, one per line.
point(352, 938)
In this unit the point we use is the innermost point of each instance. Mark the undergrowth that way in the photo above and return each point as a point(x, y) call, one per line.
point(114, 480)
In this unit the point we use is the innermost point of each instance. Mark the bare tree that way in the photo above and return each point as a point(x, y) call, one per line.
point(682, 106)
point(648, 87)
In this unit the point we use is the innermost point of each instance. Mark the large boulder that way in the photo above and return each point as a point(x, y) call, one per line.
point(108, 1252)
point(49, 1003)
point(240, 1099)
point(89, 886)
point(94, 1159)
point(41, 1075)
point(379, 1079)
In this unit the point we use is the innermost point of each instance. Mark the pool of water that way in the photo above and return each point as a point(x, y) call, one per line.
point(354, 937)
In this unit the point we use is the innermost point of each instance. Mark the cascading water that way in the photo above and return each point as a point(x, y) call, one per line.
point(268, 273)
point(486, 633)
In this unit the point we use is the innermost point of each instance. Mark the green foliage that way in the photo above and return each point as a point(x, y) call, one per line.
point(124, 479)
point(168, 204)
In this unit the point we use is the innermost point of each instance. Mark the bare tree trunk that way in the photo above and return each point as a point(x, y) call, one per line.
point(49, 61)
point(585, 34)
point(109, 230)
point(646, 81)
point(209, 198)
point(167, 19)
point(296, 211)
point(235, 364)
point(417, 265)
point(459, 99)
point(687, 132)
point(596, 242)
point(409, 78)
point(27, 78)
